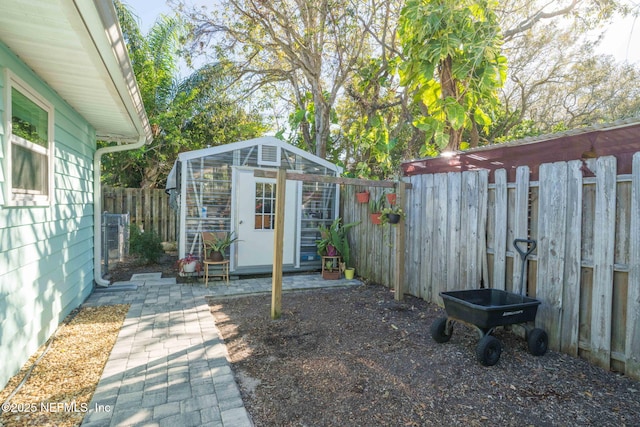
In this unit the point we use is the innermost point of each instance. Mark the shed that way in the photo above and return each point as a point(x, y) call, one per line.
point(215, 189)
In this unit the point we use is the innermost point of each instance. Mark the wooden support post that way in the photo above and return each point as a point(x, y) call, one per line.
point(400, 237)
point(278, 244)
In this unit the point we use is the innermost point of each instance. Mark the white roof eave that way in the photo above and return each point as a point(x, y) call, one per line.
point(264, 140)
point(77, 48)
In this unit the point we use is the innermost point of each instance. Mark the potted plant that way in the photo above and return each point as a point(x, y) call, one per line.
point(391, 198)
point(331, 269)
point(217, 245)
point(391, 215)
point(375, 207)
point(189, 264)
point(362, 196)
point(333, 242)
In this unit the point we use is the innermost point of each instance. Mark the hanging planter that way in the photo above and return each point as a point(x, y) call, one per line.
point(391, 197)
point(391, 215)
point(363, 197)
point(375, 218)
point(393, 218)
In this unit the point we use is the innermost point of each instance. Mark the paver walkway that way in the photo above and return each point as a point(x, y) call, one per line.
point(169, 366)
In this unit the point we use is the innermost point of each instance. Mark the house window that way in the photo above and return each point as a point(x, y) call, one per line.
point(265, 205)
point(31, 146)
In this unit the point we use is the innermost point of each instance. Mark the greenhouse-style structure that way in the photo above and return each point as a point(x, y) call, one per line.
point(215, 190)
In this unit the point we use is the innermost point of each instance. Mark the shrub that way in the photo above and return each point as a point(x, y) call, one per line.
point(147, 245)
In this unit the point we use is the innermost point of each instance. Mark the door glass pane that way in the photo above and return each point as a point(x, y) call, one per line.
point(265, 205)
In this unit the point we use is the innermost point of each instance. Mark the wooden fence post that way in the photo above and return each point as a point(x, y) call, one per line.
point(400, 239)
point(632, 339)
point(278, 243)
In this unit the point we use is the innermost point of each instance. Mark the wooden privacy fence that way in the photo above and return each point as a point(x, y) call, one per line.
point(148, 209)
point(585, 270)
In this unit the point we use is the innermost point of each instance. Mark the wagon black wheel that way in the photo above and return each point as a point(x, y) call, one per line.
point(538, 342)
point(439, 330)
point(488, 350)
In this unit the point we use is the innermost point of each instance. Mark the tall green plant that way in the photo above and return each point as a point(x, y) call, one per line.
point(336, 236)
point(454, 66)
point(184, 113)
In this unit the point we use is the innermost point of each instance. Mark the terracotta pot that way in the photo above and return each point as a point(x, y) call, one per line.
point(391, 197)
point(363, 197)
point(375, 218)
point(216, 256)
point(331, 275)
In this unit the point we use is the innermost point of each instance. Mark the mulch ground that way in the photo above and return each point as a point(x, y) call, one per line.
point(357, 357)
point(63, 374)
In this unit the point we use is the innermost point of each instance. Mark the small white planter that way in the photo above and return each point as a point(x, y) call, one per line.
point(190, 267)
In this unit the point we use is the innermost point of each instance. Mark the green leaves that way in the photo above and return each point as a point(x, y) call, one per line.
point(453, 64)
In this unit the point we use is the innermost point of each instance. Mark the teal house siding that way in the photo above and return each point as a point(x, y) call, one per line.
point(46, 252)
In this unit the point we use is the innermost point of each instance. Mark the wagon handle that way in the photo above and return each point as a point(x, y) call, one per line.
point(530, 247)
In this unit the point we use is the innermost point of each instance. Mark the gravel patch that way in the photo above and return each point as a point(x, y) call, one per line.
point(59, 388)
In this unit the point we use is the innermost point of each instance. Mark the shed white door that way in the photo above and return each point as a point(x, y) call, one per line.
point(255, 214)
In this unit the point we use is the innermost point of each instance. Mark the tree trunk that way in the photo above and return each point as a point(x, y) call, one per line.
point(150, 176)
point(449, 89)
point(322, 124)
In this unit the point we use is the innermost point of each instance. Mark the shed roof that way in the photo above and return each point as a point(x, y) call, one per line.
point(620, 139)
point(264, 140)
point(77, 48)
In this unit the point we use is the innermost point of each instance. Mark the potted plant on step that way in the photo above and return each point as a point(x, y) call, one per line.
point(217, 243)
point(333, 247)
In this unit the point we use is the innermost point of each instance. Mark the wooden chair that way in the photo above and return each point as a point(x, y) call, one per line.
point(220, 268)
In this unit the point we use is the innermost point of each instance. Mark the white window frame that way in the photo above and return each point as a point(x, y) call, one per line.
point(27, 199)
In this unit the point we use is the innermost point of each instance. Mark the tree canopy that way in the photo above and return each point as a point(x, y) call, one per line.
point(184, 113)
point(370, 83)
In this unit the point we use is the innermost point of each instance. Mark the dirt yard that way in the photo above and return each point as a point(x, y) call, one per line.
point(356, 357)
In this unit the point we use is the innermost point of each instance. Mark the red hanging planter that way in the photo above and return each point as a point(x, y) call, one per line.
point(363, 197)
point(391, 197)
point(375, 218)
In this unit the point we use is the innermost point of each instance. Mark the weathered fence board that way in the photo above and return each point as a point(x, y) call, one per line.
point(415, 222)
point(632, 336)
point(469, 243)
point(552, 193)
point(149, 209)
point(454, 230)
point(520, 221)
point(483, 191)
point(500, 230)
point(439, 259)
point(570, 312)
point(603, 244)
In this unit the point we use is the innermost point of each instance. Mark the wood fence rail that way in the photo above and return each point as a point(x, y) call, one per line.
point(586, 269)
point(148, 209)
